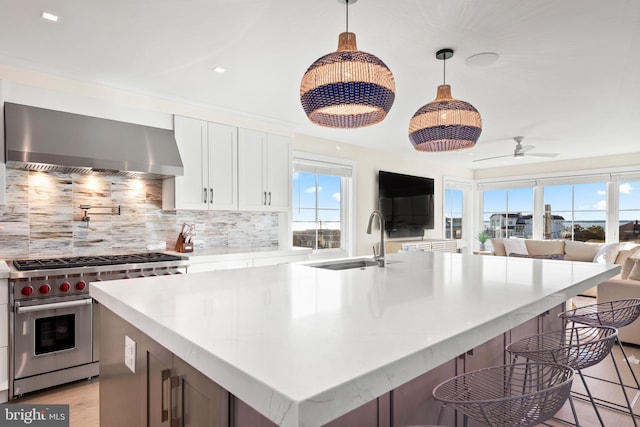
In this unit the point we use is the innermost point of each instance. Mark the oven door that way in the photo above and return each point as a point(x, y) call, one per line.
point(52, 335)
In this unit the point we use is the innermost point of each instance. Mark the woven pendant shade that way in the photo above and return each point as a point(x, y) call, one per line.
point(445, 124)
point(347, 88)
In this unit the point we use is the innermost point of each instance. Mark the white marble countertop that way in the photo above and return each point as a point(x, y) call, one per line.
point(304, 345)
point(225, 254)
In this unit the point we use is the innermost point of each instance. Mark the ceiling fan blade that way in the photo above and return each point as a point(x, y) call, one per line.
point(543, 154)
point(526, 148)
point(491, 158)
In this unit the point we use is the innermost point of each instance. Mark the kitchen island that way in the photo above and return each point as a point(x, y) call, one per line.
point(304, 345)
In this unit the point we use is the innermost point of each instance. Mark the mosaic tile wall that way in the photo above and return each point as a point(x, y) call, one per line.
point(42, 218)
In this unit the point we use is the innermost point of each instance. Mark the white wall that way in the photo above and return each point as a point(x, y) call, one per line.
point(369, 162)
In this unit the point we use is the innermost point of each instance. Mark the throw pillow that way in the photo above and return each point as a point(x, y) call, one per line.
point(628, 265)
point(635, 272)
point(547, 256)
point(626, 250)
point(515, 246)
point(607, 254)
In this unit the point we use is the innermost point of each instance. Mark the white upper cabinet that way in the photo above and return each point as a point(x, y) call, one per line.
point(209, 154)
point(223, 167)
point(264, 171)
point(279, 172)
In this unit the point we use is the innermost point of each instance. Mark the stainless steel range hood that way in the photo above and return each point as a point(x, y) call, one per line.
point(49, 140)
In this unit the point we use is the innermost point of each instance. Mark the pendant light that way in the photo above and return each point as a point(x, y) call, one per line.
point(445, 124)
point(347, 88)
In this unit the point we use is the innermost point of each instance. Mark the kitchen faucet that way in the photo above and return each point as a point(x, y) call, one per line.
point(380, 258)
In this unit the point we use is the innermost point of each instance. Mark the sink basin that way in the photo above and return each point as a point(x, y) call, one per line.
point(345, 264)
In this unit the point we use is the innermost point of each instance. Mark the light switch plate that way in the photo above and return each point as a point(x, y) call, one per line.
point(130, 353)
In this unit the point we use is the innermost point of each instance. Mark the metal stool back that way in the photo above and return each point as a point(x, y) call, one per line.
point(578, 347)
point(617, 313)
point(523, 394)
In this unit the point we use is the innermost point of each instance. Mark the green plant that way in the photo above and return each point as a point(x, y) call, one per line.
point(482, 237)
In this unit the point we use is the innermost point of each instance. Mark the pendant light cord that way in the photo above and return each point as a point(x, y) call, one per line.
point(444, 70)
point(347, 14)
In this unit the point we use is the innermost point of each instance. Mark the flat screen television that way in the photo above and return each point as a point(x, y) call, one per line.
point(406, 202)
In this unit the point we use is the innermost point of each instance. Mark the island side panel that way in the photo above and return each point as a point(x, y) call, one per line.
point(158, 389)
point(123, 393)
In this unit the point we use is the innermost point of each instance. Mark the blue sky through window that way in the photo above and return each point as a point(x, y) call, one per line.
point(305, 194)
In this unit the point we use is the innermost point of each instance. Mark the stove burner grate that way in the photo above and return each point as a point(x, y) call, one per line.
point(89, 261)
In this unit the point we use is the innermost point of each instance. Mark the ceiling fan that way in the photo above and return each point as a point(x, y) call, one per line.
point(519, 151)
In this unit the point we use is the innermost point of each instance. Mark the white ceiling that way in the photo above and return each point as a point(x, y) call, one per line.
point(568, 77)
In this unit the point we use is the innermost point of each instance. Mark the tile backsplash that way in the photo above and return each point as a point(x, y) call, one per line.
point(42, 217)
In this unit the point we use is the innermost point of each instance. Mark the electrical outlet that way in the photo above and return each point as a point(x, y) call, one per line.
point(130, 353)
point(259, 226)
point(200, 227)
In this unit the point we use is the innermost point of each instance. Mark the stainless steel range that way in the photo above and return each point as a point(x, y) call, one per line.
point(52, 326)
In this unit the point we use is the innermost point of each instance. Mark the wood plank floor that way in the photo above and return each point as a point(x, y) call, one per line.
point(83, 397)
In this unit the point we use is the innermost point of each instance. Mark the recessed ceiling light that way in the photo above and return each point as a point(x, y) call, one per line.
point(482, 59)
point(49, 16)
point(219, 69)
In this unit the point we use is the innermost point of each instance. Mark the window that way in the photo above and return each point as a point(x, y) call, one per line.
point(508, 213)
point(597, 207)
point(576, 211)
point(321, 201)
point(629, 211)
point(453, 214)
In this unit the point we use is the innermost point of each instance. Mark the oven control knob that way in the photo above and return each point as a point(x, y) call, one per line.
point(81, 285)
point(64, 287)
point(27, 291)
point(44, 289)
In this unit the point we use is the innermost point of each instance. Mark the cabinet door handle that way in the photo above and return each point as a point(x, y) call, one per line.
point(166, 394)
point(211, 198)
point(269, 198)
point(205, 195)
point(177, 404)
point(265, 198)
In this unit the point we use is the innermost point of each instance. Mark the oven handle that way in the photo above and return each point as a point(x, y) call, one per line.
point(52, 306)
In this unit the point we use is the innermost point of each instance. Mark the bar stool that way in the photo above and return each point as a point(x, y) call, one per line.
point(577, 347)
point(523, 394)
point(614, 314)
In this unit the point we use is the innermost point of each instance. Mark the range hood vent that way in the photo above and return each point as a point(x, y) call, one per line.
point(49, 140)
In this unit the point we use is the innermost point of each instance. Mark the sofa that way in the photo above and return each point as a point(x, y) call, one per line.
point(622, 286)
